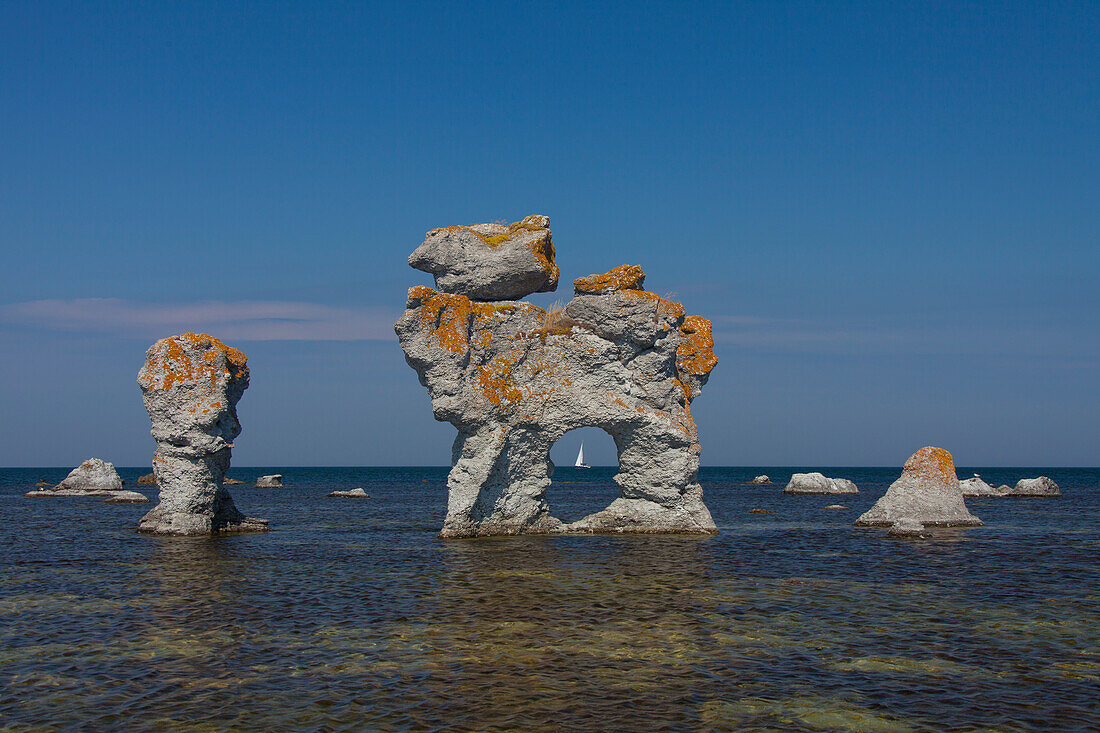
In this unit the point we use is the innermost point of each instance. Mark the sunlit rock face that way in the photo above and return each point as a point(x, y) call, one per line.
point(818, 483)
point(514, 378)
point(927, 492)
point(191, 385)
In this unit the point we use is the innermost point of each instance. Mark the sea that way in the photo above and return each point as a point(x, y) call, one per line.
point(352, 614)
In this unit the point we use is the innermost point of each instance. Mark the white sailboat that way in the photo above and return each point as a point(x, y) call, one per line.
point(580, 458)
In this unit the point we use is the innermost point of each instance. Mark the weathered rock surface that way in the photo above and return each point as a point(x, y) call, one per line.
point(54, 493)
point(906, 527)
point(761, 480)
point(836, 507)
point(927, 492)
point(148, 479)
point(817, 483)
point(126, 497)
point(351, 494)
point(92, 475)
point(490, 261)
point(623, 277)
point(274, 481)
point(1041, 486)
point(976, 487)
point(513, 379)
point(230, 481)
point(190, 385)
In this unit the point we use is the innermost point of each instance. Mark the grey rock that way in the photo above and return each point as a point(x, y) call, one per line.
point(54, 493)
point(513, 378)
point(976, 487)
point(927, 492)
point(148, 479)
point(761, 480)
point(91, 475)
point(1041, 486)
point(274, 481)
point(906, 527)
point(817, 483)
point(190, 385)
point(352, 494)
point(126, 497)
point(836, 506)
point(490, 261)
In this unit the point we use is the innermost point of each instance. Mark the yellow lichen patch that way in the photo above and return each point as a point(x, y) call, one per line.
point(496, 379)
point(623, 277)
point(932, 463)
point(173, 356)
point(695, 354)
point(452, 318)
point(665, 308)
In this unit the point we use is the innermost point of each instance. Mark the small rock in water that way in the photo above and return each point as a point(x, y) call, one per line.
point(1042, 486)
point(817, 483)
point(92, 475)
point(760, 511)
point(906, 527)
point(232, 481)
point(148, 479)
point(274, 481)
point(761, 480)
point(353, 494)
point(125, 497)
point(43, 483)
point(976, 487)
point(836, 506)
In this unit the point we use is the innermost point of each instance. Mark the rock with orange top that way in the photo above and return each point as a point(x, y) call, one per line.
point(513, 378)
point(927, 492)
point(191, 385)
point(489, 262)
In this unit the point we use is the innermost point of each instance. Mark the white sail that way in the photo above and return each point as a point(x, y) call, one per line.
point(580, 457)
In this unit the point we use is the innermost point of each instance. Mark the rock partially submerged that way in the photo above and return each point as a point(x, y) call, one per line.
point(230, 481)
point(352, 494)
point(513, 378)
point(927, 493)
point(1041, 486)
point(761, 480)
point(148, 479)
point(836, 506)
point(490, 261)
point(92, 475)
point(126, 497)
point(274, 481)
point(817, 483)
point(906, 527)
point(976, 487)
point(190, 385)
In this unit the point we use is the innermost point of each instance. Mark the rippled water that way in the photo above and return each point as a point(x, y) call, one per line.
point(354, 615)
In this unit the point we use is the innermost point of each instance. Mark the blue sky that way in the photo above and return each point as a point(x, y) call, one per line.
point(890, 211)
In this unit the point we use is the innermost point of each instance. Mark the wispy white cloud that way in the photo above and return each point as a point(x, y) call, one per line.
point(248, 320)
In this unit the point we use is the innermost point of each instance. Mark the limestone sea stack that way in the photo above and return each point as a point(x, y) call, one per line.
point(817, 483)
point(490, 261)
point(93, 477)
point(514, 378)
point(927, 493)
point(273, 481)
point(1041, 486)
point(191, 385)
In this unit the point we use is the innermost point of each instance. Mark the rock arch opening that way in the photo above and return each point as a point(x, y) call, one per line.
point(576, 492)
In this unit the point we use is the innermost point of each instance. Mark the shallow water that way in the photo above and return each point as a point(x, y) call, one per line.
point(355, 615)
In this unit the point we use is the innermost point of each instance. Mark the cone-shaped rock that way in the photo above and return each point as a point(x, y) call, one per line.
point(927, 492)
point(190, 385)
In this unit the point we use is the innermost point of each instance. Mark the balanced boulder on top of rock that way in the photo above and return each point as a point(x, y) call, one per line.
point(623, 277)
point(513, 378)
point(190, 385)
point(927, 493)
point(490, 261)
point(817, 483)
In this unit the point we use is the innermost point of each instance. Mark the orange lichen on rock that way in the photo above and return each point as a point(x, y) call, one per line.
point(623, 277)
point(452, 318)
point(179, 368)
point(496, 380)
point(933, 463)
point(665, 308)
point(695, 354)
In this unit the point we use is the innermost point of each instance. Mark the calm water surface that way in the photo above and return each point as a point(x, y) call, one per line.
point(354, 615)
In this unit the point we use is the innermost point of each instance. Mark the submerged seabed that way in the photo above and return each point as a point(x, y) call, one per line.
point(354, 615)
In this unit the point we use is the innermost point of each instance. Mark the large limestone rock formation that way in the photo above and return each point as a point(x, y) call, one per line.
point(490, 261)
point(817, 483)
point(927, 492)
point(93, 477)
point(191, 384)
point(513, 378)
